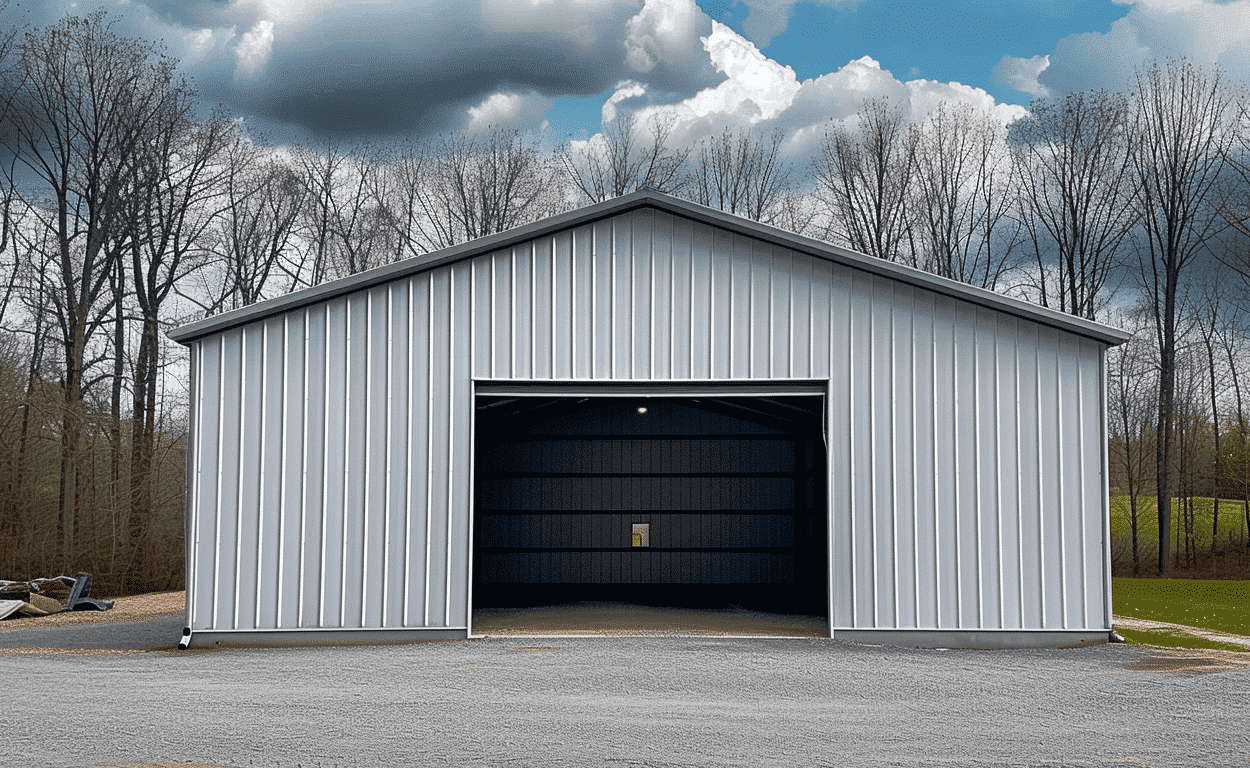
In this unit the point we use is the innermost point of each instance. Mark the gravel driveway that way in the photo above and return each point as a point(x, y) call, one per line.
point(619, 701)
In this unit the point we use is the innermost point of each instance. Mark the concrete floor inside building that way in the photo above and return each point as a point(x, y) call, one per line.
point(624, 619)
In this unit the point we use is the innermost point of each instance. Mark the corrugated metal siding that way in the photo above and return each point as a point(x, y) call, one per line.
point(333, 444)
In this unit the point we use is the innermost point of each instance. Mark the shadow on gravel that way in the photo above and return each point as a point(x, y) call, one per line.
point(114, 637)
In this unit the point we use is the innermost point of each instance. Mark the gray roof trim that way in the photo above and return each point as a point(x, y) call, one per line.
point(642, 199)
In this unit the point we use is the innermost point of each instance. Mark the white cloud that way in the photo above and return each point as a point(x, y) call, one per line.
point(755, 87)
point(508, 110)
point(1021, 74)
point(663, 31)
point(1209, 32)
point(761, 93)
point(624, 90)
point(254, 49)
point(925, 96)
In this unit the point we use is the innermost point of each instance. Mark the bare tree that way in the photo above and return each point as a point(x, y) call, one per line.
point(625, 157)
point(1130, 395)
point(85, 107)
point(473, 186)
point(1075, 193)
point(1210, 324)
point(963, 198)
point(176, 178)
point(253, 232)
point(346, 226)
point(741, 173)
point(1179, 137)
point(865, 179)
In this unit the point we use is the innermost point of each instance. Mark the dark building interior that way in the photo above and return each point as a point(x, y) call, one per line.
point(702, 502)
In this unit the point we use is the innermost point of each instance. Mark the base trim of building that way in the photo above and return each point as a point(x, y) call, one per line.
point(278, 638)
point(988, 639)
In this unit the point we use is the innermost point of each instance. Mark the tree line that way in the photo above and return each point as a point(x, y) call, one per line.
point(124, 211)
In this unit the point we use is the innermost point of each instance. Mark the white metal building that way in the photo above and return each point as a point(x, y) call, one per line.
point(371, 456)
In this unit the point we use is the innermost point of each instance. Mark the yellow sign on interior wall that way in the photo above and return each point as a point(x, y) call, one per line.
point(642, 534)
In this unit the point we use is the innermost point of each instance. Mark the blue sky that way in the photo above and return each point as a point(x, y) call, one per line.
point(382, 68)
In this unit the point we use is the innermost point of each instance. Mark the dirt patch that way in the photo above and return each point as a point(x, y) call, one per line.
point(593, 618)
point(1191, 662)
point(35, 650)
point(133, 608)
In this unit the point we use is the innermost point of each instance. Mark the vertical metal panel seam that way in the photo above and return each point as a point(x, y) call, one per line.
point(933, 415)
point(238, 477)
point(850, 437)
point(1063, 542)
point(493, 313)
point(651, 338)
point(282, 470)
point(998, 468)
point(1080, 480)
point(915, 472)
point(976, 463)
point(221, 394)
point(303, 482)
point(1041, 478)
point(550, 319)
point(672, 303)
point(429, 442)
point(262, 474)
point(366, 349)
point(325, 476)
point(572, 306)
point(511, 310)
point(893, 447)
point(593, 310)
point(386, 455)
point(768, 308)
point(1015, 353)
point(811, 323)
point(451, 423)
point(347, 472)
point(410, 361)
point(690, 326)
point(533, 301)
point(958, 475)
point(731, 313)
point(871, 449)
point(612, 302)
point(790, 319)
point(633, 299)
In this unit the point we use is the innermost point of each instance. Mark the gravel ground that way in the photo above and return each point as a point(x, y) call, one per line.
point(629, 701)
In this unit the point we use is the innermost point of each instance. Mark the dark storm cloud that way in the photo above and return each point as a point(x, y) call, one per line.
point(408, 66)
point(349, 73)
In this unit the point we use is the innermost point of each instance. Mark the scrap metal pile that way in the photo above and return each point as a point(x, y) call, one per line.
point(41, 597)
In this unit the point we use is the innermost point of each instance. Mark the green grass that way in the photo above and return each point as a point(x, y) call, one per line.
point(1223, 606)
point(1169, 639)
point(1232, 520)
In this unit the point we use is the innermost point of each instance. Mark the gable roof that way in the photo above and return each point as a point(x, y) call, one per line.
point(648, 199)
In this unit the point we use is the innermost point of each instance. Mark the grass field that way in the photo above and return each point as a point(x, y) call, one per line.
point(1221, 605)
point(1232, 524)
point(1175, 640)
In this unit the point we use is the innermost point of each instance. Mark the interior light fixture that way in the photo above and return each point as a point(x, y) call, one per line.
point(642, 409)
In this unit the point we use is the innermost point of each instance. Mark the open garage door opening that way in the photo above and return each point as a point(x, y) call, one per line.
point(692, 502)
